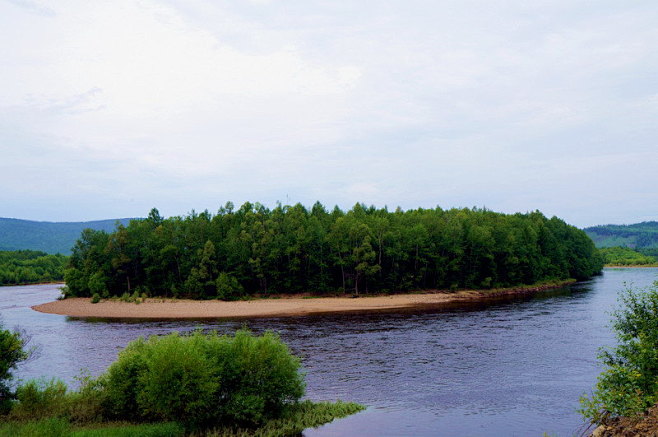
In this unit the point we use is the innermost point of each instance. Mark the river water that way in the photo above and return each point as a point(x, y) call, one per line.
point(508, 368)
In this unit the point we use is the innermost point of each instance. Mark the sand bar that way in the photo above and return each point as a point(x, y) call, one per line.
point(294, 306)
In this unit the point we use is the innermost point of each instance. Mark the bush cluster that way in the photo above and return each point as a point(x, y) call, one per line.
point(624, 256)
point(199, 380)
point(629, 384)
point(12, 352)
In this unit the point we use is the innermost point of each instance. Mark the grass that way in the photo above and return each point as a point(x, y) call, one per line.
point(304, 415)
point(60, 427)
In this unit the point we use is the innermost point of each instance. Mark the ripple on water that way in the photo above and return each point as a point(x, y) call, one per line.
point(512, 367)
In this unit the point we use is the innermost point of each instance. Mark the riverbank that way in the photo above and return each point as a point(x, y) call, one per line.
point(643, 425)
point(155, 308)
point(632, 266)
point(25, 284)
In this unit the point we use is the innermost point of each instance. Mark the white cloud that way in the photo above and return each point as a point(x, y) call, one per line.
point(184, 104)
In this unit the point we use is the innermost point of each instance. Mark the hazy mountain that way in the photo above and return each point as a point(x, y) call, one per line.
point(640, 236)
point(50, 237)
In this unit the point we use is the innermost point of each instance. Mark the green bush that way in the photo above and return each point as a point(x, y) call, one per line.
point(95, 298)
point(12, 352)
point(40, 398)
point(629, 383)
point(202, 379)
point(86, 404)
point(228, 287)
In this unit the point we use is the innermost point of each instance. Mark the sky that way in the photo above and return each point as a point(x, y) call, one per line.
point(110, 108)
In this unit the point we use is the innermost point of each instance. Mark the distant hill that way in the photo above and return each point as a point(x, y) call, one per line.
point(640, 236)
point(49, 237)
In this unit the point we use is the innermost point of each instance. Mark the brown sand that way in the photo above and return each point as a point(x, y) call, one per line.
point(214, 309)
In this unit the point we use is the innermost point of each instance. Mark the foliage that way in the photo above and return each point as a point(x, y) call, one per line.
point(291, 249)
point(623, 256)
point(292, 422)
point(86, 404)
point(228, 287)
point(202, 379)
point(29, 266)
point(12, 352)
point(629, 383)
point(39, 398)
point(247, 385)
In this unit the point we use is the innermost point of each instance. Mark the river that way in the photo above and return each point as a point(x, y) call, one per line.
point(510, 368)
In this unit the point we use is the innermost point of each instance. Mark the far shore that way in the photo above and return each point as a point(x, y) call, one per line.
point(633, 266)
point(33, 283)
point(158, 308)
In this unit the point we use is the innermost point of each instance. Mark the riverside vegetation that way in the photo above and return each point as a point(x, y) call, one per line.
point(624, 256)
point(30, 267)
point(628, 385)
point(254, 250)
point(174, 385)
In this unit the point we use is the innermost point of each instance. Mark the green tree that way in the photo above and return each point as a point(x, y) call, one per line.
point(12, 352)
point(629, 382)
point(228, 287)
point(200, 283)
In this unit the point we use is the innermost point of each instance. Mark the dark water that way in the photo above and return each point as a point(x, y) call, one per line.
point(512, 368)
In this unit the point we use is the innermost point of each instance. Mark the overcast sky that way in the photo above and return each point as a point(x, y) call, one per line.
point(110, 108)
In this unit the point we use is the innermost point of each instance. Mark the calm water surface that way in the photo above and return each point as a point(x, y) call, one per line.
point(510, 368)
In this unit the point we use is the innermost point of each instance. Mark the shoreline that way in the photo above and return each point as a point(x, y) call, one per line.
point(33, 283)
point(159, 308)
point(633, 266)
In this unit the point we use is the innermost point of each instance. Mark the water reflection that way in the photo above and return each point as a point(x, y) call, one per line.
point(507, 367)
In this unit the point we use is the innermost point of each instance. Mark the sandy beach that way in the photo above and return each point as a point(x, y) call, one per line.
point(294, 306)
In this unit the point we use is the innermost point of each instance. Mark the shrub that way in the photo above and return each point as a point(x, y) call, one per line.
point(86, 404)
point(203, 379)
point(95, 298)
point(12, 352)
point(629, 384)
point(259, 377)
point(40, 398)
point(228, 287)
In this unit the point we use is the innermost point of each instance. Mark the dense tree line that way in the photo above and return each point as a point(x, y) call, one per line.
point(30, 266)
point(292, 249)
point(624, 256)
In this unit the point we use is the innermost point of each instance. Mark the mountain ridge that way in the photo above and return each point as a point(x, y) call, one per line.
point(47, 236)
point(640, 236)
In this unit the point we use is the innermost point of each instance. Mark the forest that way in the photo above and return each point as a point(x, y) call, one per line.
point(30, 267)
point(292, 249)
point(642, 237)
point(624, 256)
